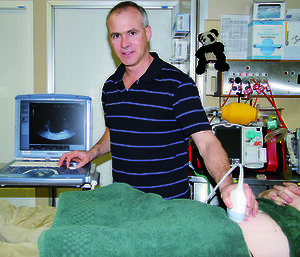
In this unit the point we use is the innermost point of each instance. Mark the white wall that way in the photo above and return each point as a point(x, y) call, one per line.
point(16, 66)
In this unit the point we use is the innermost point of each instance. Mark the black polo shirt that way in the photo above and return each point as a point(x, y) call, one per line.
point(150, 125)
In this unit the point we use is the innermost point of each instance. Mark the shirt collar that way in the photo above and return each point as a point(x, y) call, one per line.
point(154, 68)
point(150, 74)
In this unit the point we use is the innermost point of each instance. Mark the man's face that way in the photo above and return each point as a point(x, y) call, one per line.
point(128, 36)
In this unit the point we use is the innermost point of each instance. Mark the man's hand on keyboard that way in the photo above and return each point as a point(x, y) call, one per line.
point(81, 157)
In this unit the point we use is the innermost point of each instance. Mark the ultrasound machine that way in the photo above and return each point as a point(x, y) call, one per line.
point(47, 126)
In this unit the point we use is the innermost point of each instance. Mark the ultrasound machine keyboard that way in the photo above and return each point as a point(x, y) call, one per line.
point(44, 164)
point(41, 164)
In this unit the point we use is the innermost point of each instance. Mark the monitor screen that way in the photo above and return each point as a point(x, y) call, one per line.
point(269, 11)
point(231, 140)
point(52, 124)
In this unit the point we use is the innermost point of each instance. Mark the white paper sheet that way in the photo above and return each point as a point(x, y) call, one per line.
point(234, 35)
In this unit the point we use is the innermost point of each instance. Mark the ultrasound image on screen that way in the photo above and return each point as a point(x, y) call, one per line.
point(56, 123)
point(55, 129)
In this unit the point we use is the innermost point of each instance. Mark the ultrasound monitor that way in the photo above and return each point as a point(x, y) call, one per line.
point(48, 125)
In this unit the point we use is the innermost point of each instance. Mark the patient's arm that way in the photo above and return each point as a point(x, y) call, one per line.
point(282, 195)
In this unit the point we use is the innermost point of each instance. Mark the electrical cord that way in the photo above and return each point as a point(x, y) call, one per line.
point(225, 101)
point(271, 99)
point(213, 192)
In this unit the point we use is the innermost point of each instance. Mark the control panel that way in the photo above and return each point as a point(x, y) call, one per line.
point(255, 76)
point(254, 153)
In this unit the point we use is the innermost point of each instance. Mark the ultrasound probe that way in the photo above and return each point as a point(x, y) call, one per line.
point(238, 198)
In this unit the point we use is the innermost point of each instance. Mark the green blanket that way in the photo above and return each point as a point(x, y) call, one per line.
point(118, 220)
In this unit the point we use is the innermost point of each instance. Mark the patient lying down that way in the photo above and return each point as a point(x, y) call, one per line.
point(265, 235)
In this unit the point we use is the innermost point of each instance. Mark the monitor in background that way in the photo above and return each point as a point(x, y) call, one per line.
point(231, 140)
point(243, 144)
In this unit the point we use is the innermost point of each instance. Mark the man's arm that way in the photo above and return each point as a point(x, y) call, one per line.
point(83, 157)
point(217, 164)
point(214, 156)
point(102, 146)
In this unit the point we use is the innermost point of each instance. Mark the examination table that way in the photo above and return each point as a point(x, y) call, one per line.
point(117, 220)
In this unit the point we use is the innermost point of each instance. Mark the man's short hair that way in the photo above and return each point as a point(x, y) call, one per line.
point(123, 5)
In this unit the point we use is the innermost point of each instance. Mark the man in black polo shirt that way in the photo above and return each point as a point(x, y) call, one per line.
point(151, 109)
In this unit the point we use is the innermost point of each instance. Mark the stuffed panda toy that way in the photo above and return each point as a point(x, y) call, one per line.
point(210, 45)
